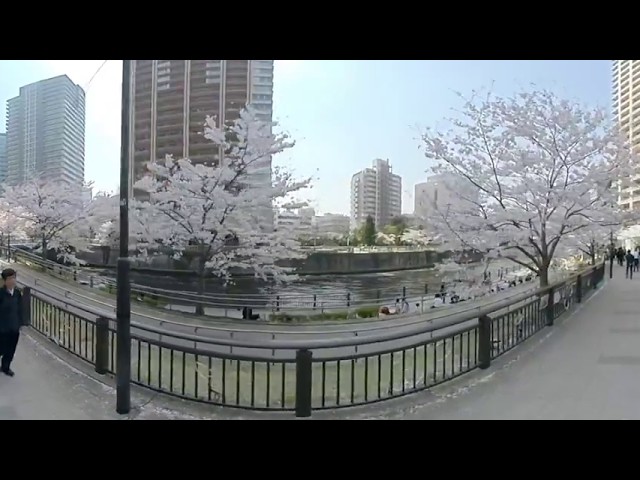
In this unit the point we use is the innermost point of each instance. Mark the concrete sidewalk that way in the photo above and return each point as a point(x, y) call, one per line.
point(585, 367)
point(50, 385)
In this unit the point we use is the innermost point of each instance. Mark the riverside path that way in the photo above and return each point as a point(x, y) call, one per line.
point(586, 367)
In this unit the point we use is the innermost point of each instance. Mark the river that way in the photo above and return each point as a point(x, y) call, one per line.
point(374, 285)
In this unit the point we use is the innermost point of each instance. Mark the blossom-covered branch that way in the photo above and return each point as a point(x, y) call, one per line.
point(528, 174)
point(222, 210)
point(57, 215)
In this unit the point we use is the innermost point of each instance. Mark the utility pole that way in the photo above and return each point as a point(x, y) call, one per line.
point(123, 304)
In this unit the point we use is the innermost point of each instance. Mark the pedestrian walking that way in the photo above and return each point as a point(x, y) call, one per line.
point(620, 255)
point(10, 319)
point(630, 265)
point(636, 258)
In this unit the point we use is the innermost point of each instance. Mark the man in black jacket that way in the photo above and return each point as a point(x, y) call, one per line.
point(10, 319)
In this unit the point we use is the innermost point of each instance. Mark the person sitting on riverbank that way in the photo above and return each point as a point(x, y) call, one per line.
point(404, 307)
point(438, 301)
point(247, 314)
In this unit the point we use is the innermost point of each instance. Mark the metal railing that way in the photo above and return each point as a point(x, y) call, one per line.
point(362, 303)
point(303, 375)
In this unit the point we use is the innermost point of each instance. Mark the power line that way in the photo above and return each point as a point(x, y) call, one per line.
point(88, 85)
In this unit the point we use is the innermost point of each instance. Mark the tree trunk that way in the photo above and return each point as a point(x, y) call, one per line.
point(106, 253)
point(201, 283)
point(544, 275)
point(44, 247)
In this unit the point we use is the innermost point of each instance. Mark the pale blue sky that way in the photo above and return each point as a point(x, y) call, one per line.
point(342, 113)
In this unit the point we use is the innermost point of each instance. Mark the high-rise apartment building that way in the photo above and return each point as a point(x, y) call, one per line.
point(172, 98)
point(45, 132)
point(3, 156)
point(626, 110)
point(375, 192)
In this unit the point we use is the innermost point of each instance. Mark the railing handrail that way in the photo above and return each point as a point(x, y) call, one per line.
point(365, 328)
point(195, 296)
point(276, 344)
point(355, 305)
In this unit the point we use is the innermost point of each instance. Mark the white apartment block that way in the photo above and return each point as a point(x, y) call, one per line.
point(300, 224)
point(434, 196)
point(331, 225)
point(626, 110)
point(375, 192)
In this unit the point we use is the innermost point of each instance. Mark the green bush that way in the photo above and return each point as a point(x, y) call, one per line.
point(367, 312)
point(288, 318)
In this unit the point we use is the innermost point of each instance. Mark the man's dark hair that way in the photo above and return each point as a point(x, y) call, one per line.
point(8, 272)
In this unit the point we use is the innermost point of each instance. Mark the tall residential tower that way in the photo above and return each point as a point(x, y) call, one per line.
point(45, 132)
point(375, 192)
point(3, 157)
point(626, 110)
point(171, 99)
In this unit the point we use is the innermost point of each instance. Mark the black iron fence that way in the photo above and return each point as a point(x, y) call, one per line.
point(306, 375)
point(361, 303)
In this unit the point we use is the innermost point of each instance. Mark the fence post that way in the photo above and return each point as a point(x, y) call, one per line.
point(550, 307)
point(579, 289)
point(484, 342)
point(304, 382)
point(102, 345)
point(26, 306)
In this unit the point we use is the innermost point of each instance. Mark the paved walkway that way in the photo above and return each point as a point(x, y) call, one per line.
point(585, 367)
point(51, 385)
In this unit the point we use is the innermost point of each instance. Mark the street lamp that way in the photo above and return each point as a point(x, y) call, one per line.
point(123, 302)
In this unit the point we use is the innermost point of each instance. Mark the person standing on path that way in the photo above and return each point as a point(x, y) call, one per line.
point(636, 258)
point(10, 319)
point(630, 265)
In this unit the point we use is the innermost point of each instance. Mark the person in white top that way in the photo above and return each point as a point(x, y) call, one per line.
point(636, 258)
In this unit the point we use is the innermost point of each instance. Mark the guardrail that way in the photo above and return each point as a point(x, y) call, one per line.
point(359, 304)
point(303, 375)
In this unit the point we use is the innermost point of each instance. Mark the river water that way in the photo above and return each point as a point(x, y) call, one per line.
point(409, 283)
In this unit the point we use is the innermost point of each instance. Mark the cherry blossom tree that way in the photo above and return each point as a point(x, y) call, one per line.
point(10, 225)
point(528, 174)
point(57, 215)
point(108, 237)
point(222, 211)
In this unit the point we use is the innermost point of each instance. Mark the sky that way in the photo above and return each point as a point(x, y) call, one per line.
point(343, 114)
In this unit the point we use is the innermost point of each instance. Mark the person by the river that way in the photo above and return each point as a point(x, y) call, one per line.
point(404, 307)
point(10, 319)
point(438, 301)
point(630, 265)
